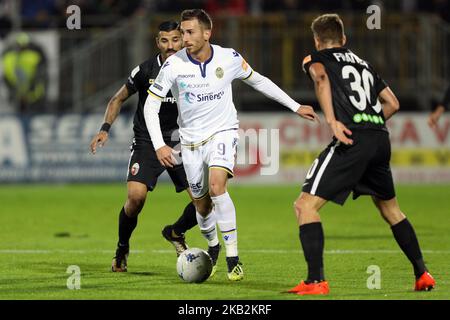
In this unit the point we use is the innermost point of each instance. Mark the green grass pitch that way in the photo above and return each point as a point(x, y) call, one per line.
point(34, 259)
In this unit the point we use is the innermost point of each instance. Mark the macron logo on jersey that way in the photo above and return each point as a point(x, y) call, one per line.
point(186, 76)
point(203, 97)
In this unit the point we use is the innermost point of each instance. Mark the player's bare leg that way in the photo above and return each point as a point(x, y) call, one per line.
point(225, 213)
point(306, 209)
point(175, 233)
point(137, 193)
point(389, 210)
point(206, 219)
point(406, 238)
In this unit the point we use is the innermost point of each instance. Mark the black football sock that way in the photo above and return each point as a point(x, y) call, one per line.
point(126, 227)
point(407, 240)
point(232, 262)
point(312, 240)
point(187, 220)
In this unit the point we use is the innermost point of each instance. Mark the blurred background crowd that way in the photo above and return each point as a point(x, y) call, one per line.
point(52, 13)
point(47, 68)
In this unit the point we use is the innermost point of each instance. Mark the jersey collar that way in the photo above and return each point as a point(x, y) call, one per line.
point(158, 58)
point(202, 66)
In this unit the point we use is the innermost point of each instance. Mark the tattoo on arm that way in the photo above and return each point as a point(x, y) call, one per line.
point(114, 105)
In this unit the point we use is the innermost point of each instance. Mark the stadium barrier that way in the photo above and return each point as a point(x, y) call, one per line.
point(273, 148)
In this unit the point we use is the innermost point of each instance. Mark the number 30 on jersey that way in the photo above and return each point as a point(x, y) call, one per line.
point(361, 86)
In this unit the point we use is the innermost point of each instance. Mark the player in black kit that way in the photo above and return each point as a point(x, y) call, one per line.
point(144, 167)
point(357, 160)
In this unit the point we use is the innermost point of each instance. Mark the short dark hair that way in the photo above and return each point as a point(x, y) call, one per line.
point(168, 26)
point(328, 27)
point(199, 14)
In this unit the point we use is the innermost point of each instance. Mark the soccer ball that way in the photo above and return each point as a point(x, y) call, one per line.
point(194, 265)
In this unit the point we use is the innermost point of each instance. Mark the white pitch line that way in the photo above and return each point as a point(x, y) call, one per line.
point(166, 251)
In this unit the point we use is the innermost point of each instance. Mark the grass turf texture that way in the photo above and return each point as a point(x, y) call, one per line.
point(46, 228)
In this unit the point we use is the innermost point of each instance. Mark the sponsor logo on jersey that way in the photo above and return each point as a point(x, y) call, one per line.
point(169, 99)
point(189, 97)
point(219, 72)
point(135, 169)
point(203, 97)
point(185, 85)
point(210, 96)
point(364, 117)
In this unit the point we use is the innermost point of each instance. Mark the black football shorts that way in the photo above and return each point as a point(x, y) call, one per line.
point(145, 167)
point(362, 168)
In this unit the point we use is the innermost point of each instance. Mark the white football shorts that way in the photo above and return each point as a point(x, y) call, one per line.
point(218, 151)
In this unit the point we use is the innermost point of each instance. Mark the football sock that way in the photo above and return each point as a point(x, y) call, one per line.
point(226, 219)
point(186, 221)
point(312, 240)
point(126, 227)
point(208, 229)
point(406, 238)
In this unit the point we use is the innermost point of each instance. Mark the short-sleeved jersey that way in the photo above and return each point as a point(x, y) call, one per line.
point(355, 87)
point(202, 90)
point(140, 80)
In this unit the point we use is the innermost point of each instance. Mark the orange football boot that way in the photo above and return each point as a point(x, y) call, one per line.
point(311, 288)
point(425, 282)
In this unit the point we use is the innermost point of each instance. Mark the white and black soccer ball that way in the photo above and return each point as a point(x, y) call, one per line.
point(194, 265)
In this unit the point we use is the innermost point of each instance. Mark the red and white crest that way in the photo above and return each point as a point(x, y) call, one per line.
point(135, 169)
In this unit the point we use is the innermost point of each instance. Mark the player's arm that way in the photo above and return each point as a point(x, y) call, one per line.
point(434, 116)
point(111, 113)
point(322, 88)
point(156, 94)
point(439, 110)
point(272, 91)
point(164, 153)
point(389, 103)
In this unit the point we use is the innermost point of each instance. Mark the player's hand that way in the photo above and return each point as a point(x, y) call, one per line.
point(433, 119)
point(165, 156)
point(307, 112)
point(99, 140)
point(341, 132)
